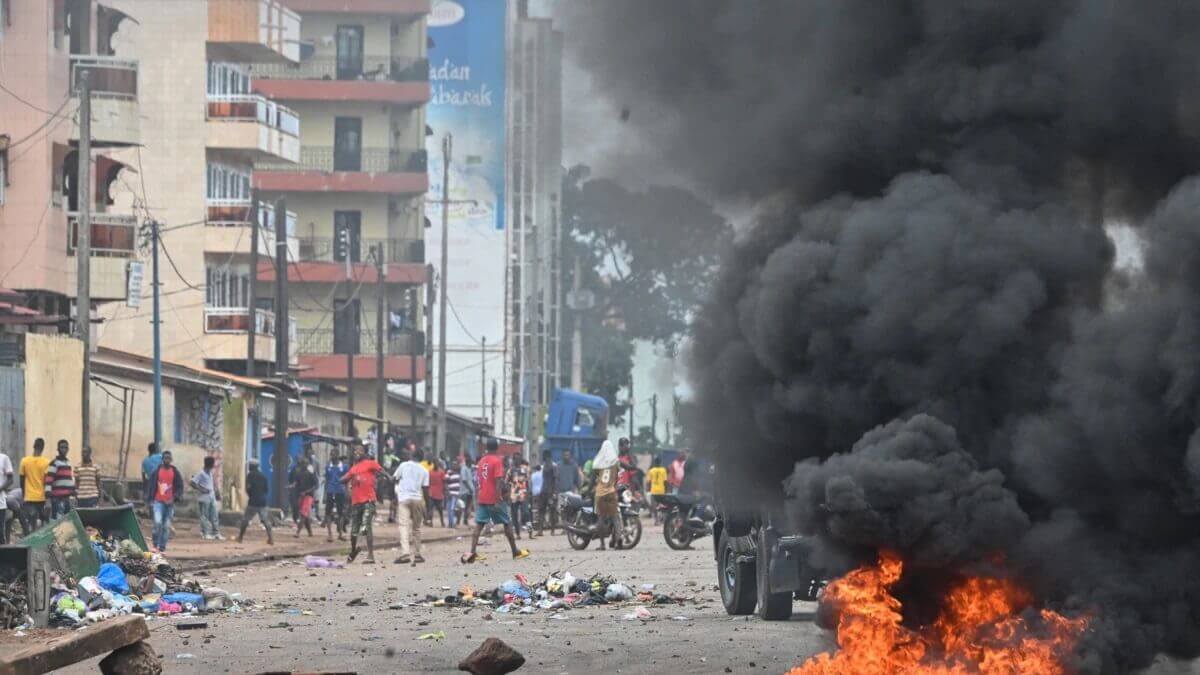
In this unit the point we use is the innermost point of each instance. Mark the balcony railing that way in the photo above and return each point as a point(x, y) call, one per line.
point(236, 213)
point(375, 68)
point(323, 249)
point(237, 320)
point(112, 235)
point(371, 160)
point(110, 76)
point(331, 341)
point(252, 107)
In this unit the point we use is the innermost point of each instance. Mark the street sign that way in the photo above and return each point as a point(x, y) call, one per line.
point(133, 288)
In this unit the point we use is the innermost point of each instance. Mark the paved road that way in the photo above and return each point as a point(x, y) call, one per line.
point(375, 639)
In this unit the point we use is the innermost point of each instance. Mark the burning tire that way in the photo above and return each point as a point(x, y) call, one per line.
point(771, 606)
point(736, 579)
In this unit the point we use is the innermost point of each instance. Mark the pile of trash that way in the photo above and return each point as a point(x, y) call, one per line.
point(560, 591)
point(14, 602)
point(131, 581)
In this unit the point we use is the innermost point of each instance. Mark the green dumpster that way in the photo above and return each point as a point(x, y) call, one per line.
point(114, 520)
point(68, 544)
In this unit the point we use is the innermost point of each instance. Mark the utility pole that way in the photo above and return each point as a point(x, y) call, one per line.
point(483, 376)
point(653, 420)
point(577, 337)
point(156, 323)
point(447, 145)
point(280, 457)
point(412, 363)
point(380, 308)
point(632, 403)
point(429, 299)
point(349, 312)
point(83, 246)
point(252, 311)
point(493, 405)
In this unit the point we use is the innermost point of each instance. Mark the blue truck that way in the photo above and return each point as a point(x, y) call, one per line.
point(576, 423)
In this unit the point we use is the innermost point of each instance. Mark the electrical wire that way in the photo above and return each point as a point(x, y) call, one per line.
point(37, 233)
point(50, 118)
point(36, 107)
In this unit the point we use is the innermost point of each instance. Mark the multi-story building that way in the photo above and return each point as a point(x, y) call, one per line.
point(359, 89)
point(533, 294)
point(43, 46)
point(202, 129)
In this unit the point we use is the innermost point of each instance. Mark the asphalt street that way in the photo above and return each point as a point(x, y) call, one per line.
point(328, 635)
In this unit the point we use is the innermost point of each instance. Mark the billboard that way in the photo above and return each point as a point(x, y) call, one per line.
point(467, 76)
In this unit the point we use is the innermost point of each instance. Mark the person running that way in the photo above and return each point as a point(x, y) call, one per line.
point(453, 486)
point(306, 495)
point(412, 494)
point(87, 482)
point(150, 464)
point(168, 489)
point(32, 472)
point(605, 466)
point(360, 478)
point(256, 501)
point(656, 486)
point(547, 507)
point(437, 492)
point(335, 497)
point(60, 482)
point(490, 508)
point(206, 504)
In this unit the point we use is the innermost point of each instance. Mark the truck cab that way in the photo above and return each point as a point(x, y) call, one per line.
point(576, 423)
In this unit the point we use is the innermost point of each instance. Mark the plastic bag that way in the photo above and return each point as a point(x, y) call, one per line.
point(112, 578)
point(618, 593)
point(638, 613)
point(316, 562)
point(185, 599)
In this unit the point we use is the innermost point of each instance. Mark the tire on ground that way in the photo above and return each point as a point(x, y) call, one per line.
point(736, 580)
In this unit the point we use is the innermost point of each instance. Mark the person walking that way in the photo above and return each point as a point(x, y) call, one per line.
point(168, 489)
point(412, 493)
point(675, 471)
point(360, 478)
point(518, 485)
point(437, 492)
point(385, 487)
point(335, 497)
point(6, 481)
point(150, 464)
point(256, 501)
point(60, 482)
point(547, 498)
point(656, 486)
point(32, 473)
point(467, 491)
point(490, 507)
point(453, 486)
point(306, 495)
point(87, 481)
point(206, 504)
point(605, 466)
point(569, 476)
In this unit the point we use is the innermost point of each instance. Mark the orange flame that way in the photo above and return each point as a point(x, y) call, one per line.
point(979, 629)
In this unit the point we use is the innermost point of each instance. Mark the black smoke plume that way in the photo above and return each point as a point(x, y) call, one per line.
point(925, 325)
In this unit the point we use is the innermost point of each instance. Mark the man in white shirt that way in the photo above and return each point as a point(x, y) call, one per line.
point(412, 491)
point(6, 479)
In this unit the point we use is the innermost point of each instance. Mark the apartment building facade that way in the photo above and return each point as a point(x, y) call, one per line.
point(43, 47)
point(359, 89)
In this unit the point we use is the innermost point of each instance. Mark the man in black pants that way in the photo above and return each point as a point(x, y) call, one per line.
point(256, 502)
point(547, 501)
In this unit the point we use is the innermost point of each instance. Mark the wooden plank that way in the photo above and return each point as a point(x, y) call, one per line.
point(75, 646)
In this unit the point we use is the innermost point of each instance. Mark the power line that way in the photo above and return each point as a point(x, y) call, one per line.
point(32, 240)
point(50, 118)
point(36, 107)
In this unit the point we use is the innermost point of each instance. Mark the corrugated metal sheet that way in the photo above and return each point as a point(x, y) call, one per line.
point(12, 413)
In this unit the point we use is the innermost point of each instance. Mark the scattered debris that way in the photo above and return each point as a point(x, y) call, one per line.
point(357, 602)
point(439, 635)
point(192, 625)
point(639, 613)
point(493, 657)
point(317, 562)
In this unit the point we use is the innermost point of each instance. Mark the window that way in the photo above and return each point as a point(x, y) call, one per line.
point(227, 286)
point(229, 183)
point(227, 79)
point(199, 420)
point(583, 418)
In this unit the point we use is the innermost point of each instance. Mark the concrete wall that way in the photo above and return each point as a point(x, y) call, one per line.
point(53, 390)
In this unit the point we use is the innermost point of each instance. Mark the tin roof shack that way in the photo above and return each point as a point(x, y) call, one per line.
point(41, 387)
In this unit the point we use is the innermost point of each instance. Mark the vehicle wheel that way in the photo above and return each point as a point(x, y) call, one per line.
point(771, 606)
point(578, 541)
point(633, 532)
point(676, 532)
point(736, 580)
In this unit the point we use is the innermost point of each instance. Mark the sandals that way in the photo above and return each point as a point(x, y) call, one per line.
point(418, 559)
point(403, 560)
point(472, 558)
point(521, 555)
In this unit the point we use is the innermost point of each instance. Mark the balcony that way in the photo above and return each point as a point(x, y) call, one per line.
point(323, 249)
point(409, 8)
point(380, 79)
point(116, 115)
point(320, 358)
point(252, 31)
point(113, 244)
point(237, 320)
point(317, 263)
point(253, 128)
point(326, 169)
point(229, 226)
point(221, 323)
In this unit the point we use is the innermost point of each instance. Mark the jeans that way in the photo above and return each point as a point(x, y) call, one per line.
point(3, 526)
point(263, 517)
point(451, 510)
point(87, 502)
point(59, 507)
point(210, 523)
point(163, 513)
point(411, 516)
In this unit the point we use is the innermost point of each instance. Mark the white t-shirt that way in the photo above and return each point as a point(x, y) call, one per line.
point(410, 478)
point(6, 470)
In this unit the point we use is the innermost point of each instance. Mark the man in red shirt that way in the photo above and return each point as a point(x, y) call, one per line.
point(361, 480)
point(489, 500)
point(167, 489)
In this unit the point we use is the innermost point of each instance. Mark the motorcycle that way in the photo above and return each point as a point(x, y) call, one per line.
point(583, 524)
point(686, 520)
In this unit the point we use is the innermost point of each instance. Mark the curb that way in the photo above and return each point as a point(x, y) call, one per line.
point(202, 565)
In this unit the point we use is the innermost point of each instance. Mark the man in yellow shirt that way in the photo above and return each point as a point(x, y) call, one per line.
point(32, 471)
point(656, 485)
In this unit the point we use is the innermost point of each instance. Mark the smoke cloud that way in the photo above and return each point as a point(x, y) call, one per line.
point(924, 326)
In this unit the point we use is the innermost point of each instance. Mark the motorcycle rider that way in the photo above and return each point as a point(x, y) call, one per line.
point(605, 469)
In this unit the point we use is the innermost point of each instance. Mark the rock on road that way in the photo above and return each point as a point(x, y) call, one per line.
point(375, 639)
